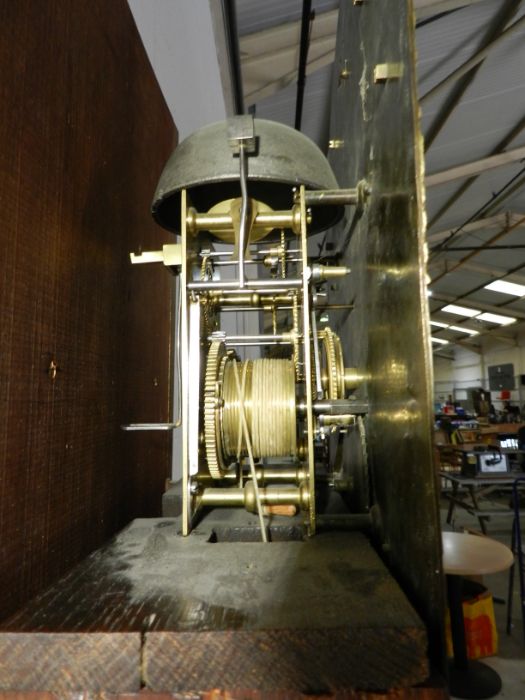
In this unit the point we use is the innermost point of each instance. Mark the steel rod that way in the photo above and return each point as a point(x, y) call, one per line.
point(130, 427)
point(318, 198)
point(225, 263)
point(245, 207)
point(262, 307)
point(266, 285)
point(284, 339)
point(253, 249)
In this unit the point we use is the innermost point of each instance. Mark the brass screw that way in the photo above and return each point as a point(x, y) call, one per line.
point(52, 370)
point(344, 73)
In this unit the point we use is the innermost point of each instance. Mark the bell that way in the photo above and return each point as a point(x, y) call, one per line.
point(205, 166)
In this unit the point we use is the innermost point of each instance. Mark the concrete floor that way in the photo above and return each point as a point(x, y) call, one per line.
point(510, 661)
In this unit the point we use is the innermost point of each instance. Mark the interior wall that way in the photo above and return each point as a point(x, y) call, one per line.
point(84, 337)
point(180, 43)
point(470, 369)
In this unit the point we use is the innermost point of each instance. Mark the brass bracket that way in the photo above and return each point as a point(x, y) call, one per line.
point(170, 256)
point(388, 71)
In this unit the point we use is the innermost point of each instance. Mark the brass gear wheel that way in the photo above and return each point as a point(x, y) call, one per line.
point(334, 364)
point(212, 397)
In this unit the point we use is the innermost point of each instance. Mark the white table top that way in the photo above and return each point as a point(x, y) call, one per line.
point(470, 555)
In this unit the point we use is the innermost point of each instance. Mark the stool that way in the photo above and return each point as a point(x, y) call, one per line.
point(469, 555)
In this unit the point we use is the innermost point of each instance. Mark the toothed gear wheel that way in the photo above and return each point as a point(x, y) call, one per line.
point(334, 366)
point(332, 363)
point(214, 458)
point(340, 366)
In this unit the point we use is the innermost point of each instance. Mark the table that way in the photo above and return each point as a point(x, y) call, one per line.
point(475, 489)
point(470, 555)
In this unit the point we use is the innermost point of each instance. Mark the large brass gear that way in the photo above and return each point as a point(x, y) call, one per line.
point(212, 398)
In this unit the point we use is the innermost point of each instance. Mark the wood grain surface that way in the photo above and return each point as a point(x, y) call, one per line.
point(68, 663)
point(84, 337)
point(419, 693)
point(313, 616)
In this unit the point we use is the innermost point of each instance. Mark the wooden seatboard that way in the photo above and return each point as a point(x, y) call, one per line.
point(317, 615)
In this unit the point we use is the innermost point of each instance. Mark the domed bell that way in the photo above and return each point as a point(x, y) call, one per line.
point(204, 165)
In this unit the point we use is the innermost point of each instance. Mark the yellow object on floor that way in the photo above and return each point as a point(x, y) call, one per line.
point(481, 634)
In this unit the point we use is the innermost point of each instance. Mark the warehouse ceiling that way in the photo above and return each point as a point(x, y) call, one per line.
point(471, 81)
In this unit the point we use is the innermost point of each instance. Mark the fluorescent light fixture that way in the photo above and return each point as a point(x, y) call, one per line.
point(461, 329)
point(439, 340)
point(438, 324)
point(517, 290)
point(496, 318)
point(460, 310)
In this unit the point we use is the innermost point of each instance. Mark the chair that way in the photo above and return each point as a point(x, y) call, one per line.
point(518, 500)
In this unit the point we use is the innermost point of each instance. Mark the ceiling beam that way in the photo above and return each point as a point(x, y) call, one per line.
point(485, 270)
point(450, 299)
point(475, 167)
point(450, 358)
point(506, 141)
point(473, 226)
point(500, 234)
point(269, 40)
point(274, 53)
point(511, 188)
point(280, 83)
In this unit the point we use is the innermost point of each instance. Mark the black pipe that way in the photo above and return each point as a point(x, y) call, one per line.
point(307, 17)
point(232, 39)
point(433, 18)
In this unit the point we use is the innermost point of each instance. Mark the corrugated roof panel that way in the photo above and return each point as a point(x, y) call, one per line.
point(476, 129)
point(316, 107)
point(456, 284)
point(443, 45)
point(516, 305)
point(254, 15)
point(494, 103)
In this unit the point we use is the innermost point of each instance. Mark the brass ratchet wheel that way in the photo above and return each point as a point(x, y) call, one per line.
point(332, 364)
point(212, 404)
